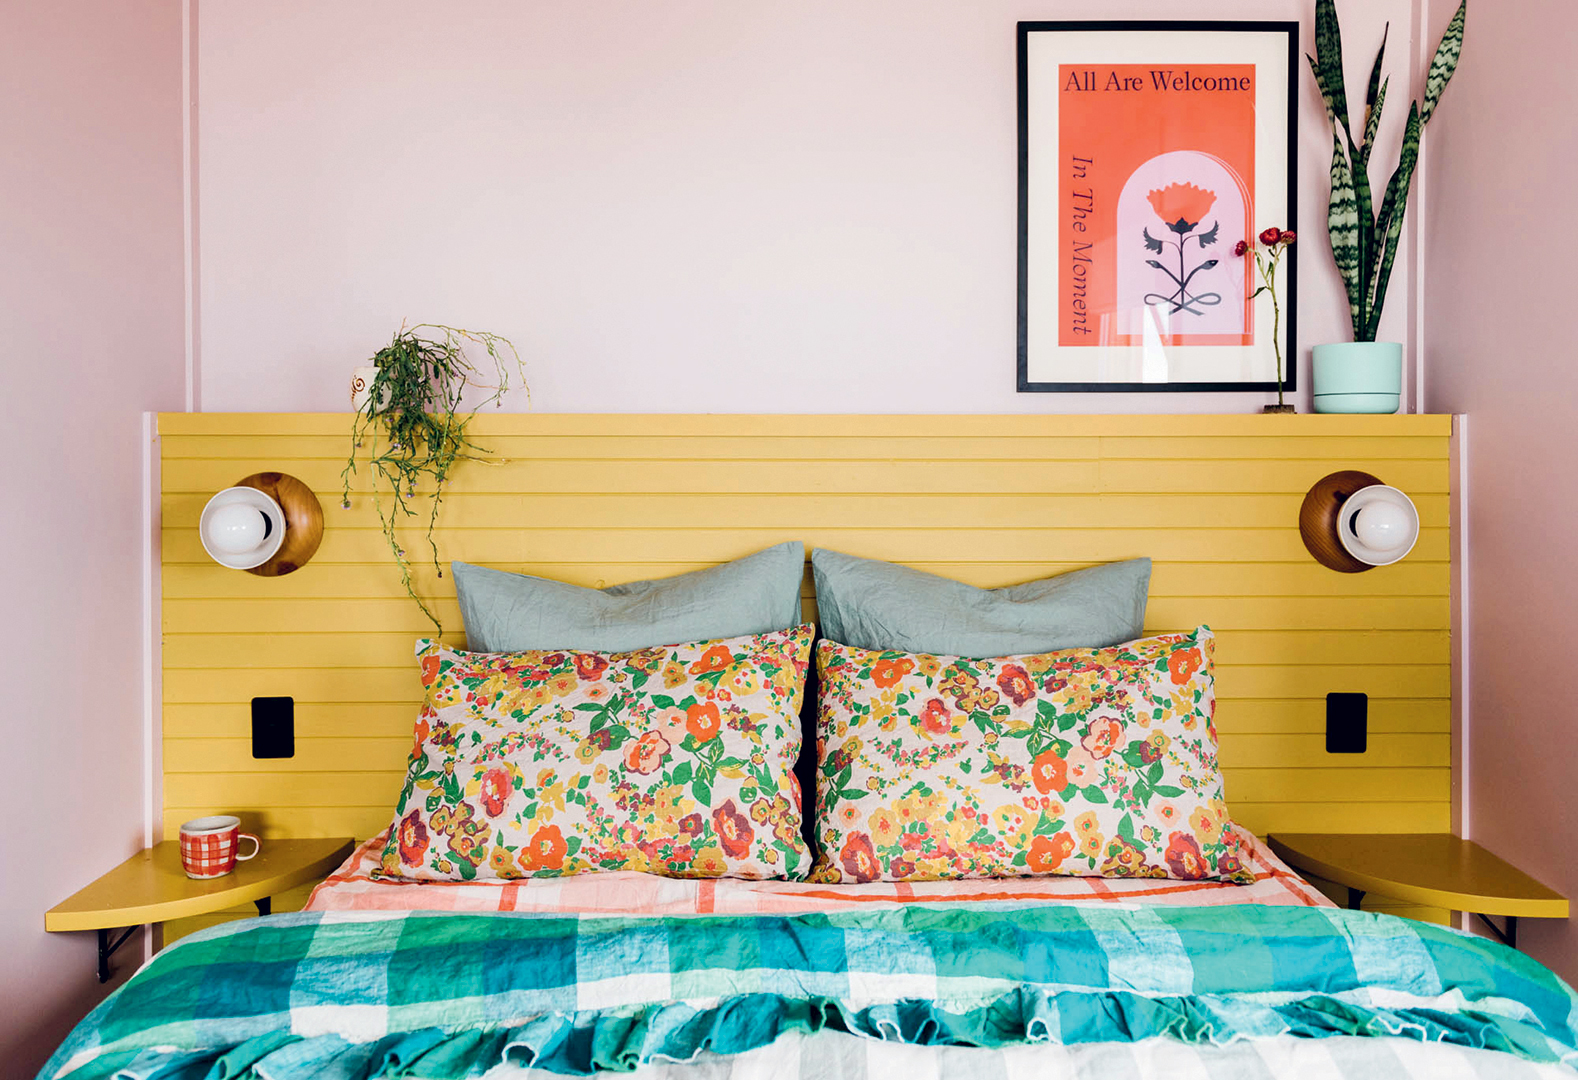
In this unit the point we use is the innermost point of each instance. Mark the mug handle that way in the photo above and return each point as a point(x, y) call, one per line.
point(257, 846)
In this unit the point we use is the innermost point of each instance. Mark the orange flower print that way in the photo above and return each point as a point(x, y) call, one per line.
point(646, 753)
point(887, 673)
point(1049, 772)
point(495, 791)
point(589, 665)
point(1014, 681)
point(714, 659)
point(1182, 664)
point(859, 858)
point(1184, 858)
point(1182, 205)
point(413, 839)
point(1047, 853)
point(1102, 736)
point(545, 850)
point(935, 718)
point(429, 670)
point(702, 720)
point(734, 830)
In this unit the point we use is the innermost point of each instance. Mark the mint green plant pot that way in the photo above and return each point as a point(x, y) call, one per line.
point(1358, 377)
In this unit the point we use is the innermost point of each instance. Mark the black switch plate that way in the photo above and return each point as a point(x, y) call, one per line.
point(1347, 723)
point(273, 727)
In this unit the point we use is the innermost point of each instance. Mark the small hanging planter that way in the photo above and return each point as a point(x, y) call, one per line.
point(408, 432)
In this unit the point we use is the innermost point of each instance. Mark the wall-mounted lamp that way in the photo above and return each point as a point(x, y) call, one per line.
point(1351, 522)
point(268, 523)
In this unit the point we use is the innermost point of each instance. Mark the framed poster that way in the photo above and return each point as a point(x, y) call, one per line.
point(1147, 151)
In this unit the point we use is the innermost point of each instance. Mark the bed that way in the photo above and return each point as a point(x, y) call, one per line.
point(632, 973)
point(656, 977)
point(928, 938)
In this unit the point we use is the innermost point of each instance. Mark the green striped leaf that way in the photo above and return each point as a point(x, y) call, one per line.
point(1445, 62)
point(1325, 95)
point(1393, 208)
point(1374, 87)
point(1342, 221)
point(1373, 124)
point(1328, 54)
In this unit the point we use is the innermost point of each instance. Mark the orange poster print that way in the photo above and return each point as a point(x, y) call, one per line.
point(1157, 186)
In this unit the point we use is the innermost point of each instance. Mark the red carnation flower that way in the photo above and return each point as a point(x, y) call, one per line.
point(1289, 236)
point(1241, 248)
point(1271, 236)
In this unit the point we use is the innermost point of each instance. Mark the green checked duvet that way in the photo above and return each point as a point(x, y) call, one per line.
point(1243, 991)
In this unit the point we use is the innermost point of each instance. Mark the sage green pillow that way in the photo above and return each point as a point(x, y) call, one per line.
point(871, 604)
point(507, 612)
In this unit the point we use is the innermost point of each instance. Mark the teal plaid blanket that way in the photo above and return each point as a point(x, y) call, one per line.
point(453, 995)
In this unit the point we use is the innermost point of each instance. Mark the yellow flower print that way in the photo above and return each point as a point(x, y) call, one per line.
point(1085, 824)
point(931, 808)
point(502, 863)
point(560, 685)
point(674, 674)
point(600, 775)
point(586, 750)
point(883, 715)
point(709, 862)
point(959, 831)
point(1013, 824)
point(742, 679)
point(1091, 846)
point(1207, 822)
point(550, 795)
point(884, 827)
point(927, 665)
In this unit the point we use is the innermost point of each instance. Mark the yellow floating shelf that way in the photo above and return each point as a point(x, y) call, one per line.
point(1434, 869)
point(151, 887)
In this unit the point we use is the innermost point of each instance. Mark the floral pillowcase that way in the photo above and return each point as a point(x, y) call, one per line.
point(675, 760)
point(1086, 762)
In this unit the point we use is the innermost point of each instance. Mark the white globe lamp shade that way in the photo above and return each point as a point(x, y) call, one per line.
point(241, 528)
point(1378, 525)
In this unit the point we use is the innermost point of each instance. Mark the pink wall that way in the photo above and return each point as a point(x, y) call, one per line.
point(1500, 282)
point(700, 205)
point(91, 302)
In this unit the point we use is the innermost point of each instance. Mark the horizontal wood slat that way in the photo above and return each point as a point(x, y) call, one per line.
point(990, 500)
point(285, 616)
point(769, 425)
point(464, 510)
point(184, 686)
point(240, 652)
point(524, 544)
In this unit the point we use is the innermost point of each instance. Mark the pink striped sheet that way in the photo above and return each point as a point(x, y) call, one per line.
point(352, 888)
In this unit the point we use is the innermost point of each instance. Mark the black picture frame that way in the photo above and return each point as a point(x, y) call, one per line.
point(1288, 275)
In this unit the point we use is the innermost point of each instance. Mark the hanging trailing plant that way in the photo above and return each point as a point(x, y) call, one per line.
point(412, 431)
point(1364, 240)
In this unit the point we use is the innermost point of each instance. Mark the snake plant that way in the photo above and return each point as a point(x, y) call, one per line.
point(1364, 240)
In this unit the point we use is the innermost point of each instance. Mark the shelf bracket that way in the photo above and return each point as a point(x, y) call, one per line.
point(107, 949)
point(1509, 936)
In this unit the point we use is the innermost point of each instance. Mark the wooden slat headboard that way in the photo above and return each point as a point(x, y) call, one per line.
point(987, 499)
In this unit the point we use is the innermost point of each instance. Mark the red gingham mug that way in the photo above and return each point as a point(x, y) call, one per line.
point(209, 846)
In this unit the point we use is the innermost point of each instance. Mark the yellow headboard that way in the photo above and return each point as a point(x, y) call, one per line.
point(987, 499)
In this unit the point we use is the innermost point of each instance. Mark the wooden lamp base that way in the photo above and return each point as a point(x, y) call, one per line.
point(1318, 519)
point(303, 521)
